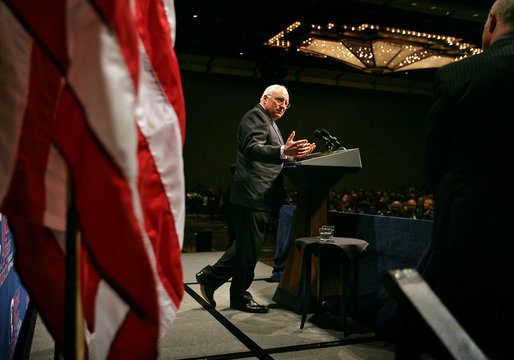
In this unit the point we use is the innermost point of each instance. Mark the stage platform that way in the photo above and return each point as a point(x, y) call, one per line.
point(223, 333)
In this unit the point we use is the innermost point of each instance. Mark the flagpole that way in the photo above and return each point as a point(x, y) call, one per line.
point(73, 324)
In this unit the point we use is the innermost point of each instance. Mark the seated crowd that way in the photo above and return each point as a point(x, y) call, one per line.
point(408, 202)
point(404, 202)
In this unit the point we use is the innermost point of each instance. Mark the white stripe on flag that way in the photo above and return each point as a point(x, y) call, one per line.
point(56, 182)
point(169, 7)
point(15, 53)
point(158, 122)
point(105, 90)
point(110, 312)
point(108, 98)
point(100, 78)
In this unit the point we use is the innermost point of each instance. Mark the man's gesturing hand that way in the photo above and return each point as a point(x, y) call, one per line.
point(297, 149)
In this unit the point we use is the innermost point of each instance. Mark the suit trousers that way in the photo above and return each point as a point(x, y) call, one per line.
point(240, 259)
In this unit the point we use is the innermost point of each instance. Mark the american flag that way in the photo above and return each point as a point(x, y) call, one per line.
point(90, 95)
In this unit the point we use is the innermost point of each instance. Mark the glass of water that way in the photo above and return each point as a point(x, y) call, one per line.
point(326, 233)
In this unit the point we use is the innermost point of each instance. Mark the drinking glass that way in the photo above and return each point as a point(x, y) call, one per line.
point(326, 233)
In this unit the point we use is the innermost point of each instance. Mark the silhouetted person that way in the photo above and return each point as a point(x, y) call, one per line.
point(469, 163)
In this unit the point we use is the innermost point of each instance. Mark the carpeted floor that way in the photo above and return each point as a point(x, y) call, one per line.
point(223, 333)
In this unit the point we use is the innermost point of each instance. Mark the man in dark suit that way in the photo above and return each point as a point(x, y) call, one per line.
point(255, 193)
point(469, 162)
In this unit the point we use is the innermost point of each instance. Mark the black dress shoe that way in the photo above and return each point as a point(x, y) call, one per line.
point(251, 306)
point(206, 286)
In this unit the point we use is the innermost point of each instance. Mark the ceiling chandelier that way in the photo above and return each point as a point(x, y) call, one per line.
point(373, 49)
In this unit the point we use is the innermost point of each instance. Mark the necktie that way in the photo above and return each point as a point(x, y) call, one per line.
point(277, 130)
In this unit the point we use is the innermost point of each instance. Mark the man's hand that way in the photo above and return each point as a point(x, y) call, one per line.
point(297, 149)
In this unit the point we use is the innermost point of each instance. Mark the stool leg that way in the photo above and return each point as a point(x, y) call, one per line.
point(306, 284)
point(319, 284)
point(355, 287)
point(343, 275)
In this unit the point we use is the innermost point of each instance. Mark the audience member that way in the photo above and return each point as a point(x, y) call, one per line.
point(411, 209)
point(396, 209)
point(420, 207)
point(428, 209)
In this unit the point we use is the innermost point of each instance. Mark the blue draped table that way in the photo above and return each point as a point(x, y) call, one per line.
point(394, 243)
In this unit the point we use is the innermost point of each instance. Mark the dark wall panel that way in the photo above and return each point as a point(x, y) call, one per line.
point(388, 128)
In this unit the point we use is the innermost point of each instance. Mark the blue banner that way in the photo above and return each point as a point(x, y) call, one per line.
point(14, 300)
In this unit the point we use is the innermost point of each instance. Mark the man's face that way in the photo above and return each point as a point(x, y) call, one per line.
point(276, 103)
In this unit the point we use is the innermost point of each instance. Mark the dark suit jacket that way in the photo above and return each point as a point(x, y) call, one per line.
point(258, 181)
point(469, 162)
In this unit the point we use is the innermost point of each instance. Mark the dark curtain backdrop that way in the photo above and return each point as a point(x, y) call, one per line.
point(387, 127)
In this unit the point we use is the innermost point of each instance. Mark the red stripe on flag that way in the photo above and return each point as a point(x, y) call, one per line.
point(45, 21)
point(104, 198)
point(39, 260)
point(26, 195)
point(89, 279)
point(131, 333)
point(159, 224)
point(104, 204)
point(154, 31)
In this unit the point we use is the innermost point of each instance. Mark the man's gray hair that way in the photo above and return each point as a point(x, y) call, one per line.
point(504, 10)
point(270, 89)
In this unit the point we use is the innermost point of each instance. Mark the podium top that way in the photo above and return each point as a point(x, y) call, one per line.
point(338, 158)
point(323, 170)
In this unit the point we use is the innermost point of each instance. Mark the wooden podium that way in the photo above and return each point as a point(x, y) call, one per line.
point(314, 176)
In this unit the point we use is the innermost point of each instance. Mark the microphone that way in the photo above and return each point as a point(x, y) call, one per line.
point(319, 135)
point(333, 140)
point(327, 139)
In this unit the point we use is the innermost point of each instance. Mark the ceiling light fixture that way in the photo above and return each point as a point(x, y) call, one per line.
point(372, 48)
